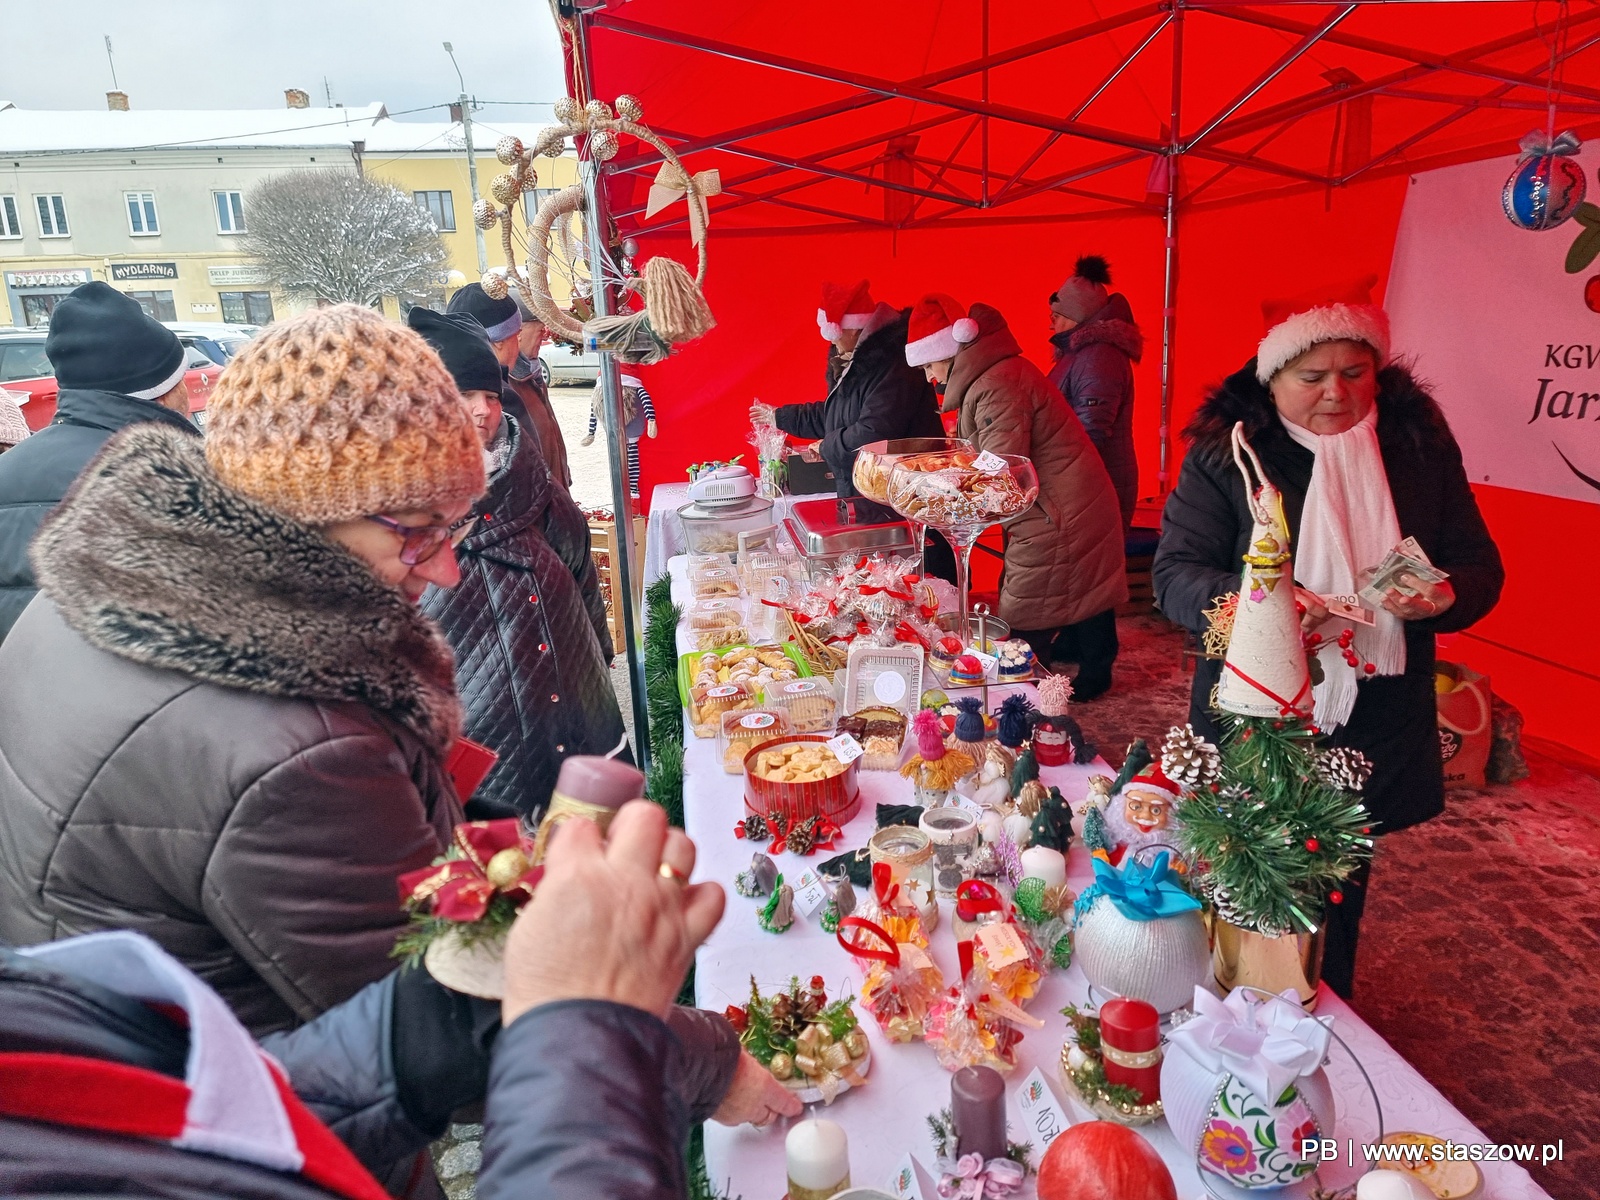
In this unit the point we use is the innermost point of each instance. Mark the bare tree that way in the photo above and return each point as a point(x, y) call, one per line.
point(342, 237)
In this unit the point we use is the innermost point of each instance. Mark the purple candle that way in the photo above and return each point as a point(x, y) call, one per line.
point(978, 1112)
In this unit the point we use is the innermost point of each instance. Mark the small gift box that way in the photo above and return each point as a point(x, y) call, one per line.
point(1244, 1087)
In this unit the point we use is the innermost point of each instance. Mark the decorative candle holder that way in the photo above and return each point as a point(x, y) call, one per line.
point(908, 853)
point(954, 834)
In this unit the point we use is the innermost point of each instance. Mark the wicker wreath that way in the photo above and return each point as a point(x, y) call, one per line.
point(675, 310)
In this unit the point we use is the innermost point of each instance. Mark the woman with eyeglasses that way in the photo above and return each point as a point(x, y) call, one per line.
point(224, 721)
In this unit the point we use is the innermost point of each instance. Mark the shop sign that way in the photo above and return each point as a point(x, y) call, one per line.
point(60, 277)
point(228, 276)
point(133, 272)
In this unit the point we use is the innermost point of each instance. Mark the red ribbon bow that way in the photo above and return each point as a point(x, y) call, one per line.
point(888, 953)
point(975, 897)
point(496, 860)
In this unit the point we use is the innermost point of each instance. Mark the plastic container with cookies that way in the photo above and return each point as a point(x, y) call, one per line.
point(710, 702)
point(742, 732)
point(716, 623)
point(882, 734)
point(713, 583)
point(799, 777)
point(809, 702)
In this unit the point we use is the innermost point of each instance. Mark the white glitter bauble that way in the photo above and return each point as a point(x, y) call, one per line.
point(597, 110)
point(495, 286)
point(504, 188)
point(629, 108)
point(603, 146)
point(484, 214)
point(567, 110)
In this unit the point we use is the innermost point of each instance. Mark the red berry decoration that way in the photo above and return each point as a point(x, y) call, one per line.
point(1371, 668)
point(1335, 897)
point(1591, 294)
point(1312, 844)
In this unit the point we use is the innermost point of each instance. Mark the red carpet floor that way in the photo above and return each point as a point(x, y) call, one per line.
point(1480, 949)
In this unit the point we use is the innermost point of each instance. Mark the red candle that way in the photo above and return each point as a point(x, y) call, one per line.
point(1130, 1045)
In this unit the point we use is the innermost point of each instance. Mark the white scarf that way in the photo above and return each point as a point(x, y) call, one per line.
point(1348, 525)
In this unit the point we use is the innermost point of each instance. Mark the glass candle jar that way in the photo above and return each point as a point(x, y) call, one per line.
point(908, 852)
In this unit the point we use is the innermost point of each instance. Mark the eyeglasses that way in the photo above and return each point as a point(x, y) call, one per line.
point(418, 543)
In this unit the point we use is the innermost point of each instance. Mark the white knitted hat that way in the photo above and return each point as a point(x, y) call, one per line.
point(13, 425)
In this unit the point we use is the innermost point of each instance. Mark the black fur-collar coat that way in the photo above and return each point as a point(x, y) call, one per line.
point(1206, 525)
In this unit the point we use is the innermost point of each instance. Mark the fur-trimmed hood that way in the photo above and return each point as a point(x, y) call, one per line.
point(1408, 415)
point(149, 557)
point(1113, 326)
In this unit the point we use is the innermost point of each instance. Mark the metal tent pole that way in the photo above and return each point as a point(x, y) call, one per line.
point(1169, 291)
point(596, 223)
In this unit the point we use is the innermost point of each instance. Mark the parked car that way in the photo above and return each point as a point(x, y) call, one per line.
point(566, 367)
point(25, 369)
point(219, 341)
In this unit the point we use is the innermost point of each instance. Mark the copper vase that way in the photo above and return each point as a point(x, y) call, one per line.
point(1244, 958)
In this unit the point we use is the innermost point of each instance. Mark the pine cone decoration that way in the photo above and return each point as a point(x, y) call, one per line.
point(1188, 759)
point(755, 828)
point(802, 839)
point(1343, 768)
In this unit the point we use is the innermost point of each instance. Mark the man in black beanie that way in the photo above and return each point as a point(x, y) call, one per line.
point(115, 367)
point(526, 397)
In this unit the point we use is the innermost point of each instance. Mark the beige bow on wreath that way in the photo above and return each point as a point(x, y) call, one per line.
point(671, 183)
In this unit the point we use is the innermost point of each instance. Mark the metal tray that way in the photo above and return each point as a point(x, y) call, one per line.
point(828, 528)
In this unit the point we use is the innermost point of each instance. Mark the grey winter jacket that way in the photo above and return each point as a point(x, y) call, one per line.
point(532, 678)
point(1094, 370)
point(37, 473)
point(221, 730)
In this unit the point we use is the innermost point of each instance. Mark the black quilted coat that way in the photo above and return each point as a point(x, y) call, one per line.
point(527, 625)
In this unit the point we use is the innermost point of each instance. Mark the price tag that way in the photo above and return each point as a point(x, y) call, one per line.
point(1041, 1112)
point(969, 805)
point(987, 661)
point(989, 463)
point(915, 957)
point(845, 748)
point(907, 1181)
point(809, 894)
point(1002, 945)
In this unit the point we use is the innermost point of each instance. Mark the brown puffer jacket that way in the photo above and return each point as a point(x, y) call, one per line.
point(219, 729)
point(1064, 556)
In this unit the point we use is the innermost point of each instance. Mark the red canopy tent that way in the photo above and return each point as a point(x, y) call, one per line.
point(1217, 153)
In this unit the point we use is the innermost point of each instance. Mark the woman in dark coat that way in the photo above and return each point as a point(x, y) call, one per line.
point(526, 621)
point(1207, 523)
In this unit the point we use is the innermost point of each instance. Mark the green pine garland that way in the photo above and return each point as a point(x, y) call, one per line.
point(1274, 841)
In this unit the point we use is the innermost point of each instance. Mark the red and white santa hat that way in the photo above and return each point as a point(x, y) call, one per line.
point(939, 327)
point(1341, 312)
point(1154, 779)
point(844, 306)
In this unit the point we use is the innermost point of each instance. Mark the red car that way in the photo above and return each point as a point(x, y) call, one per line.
point(25, 369)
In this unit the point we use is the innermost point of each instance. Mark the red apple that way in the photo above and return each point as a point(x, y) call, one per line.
point(1101, 1160)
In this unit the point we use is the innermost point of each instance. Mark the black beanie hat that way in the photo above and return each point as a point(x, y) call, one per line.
point(101, 340)
point(499, 318)
point(463, 345)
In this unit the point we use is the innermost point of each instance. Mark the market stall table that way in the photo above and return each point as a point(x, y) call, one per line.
point(886, 1118)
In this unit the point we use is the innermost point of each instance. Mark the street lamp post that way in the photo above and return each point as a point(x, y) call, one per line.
point(464, 106)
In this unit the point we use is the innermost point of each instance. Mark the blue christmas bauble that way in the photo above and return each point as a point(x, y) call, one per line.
point(1543, 191)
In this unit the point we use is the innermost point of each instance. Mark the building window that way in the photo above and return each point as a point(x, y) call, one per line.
point(142, 214)
point(156, 304)
point(10, 225)
point(441, 206)
point(246, 308)
point(230, 211)
point(52, 216)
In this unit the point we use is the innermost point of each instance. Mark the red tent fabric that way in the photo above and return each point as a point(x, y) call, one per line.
point(978, 147)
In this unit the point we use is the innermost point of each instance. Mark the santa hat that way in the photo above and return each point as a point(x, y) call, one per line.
point(844, 308)
point(939, 327)
point(1154, 779)
point(1342, 312)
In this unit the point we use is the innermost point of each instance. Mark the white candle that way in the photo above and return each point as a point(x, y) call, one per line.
point(819, 1160)
point(1041, 862)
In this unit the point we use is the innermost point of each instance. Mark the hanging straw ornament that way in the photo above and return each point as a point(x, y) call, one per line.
point(675, 310)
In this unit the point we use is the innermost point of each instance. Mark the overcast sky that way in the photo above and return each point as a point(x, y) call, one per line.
point(211, 54)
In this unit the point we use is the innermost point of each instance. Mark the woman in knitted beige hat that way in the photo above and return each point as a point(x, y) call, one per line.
point(224, 721)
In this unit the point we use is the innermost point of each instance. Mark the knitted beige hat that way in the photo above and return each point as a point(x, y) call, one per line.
point(13, 425)
point(339, 413)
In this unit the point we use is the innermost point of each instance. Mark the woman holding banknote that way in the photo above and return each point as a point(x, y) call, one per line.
point(1367, 465)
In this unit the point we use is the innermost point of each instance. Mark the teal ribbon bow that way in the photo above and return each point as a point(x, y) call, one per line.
point(1143, 893)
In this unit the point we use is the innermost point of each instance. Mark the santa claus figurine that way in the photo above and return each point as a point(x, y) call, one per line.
point(1135, 816)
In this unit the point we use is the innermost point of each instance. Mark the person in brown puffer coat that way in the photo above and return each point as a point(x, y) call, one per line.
point(1064, 569)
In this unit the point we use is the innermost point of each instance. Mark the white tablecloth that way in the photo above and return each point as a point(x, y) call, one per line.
point(887, 1118)
point(663, 539)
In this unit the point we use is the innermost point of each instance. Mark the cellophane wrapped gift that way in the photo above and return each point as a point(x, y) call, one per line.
point(974, 1024)
point(901, 982)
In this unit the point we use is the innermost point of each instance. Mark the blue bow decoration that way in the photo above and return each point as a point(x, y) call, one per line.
point(1143, 893)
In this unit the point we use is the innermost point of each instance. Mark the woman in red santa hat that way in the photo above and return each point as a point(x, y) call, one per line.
point(1064, 567)
point(1363, 458)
